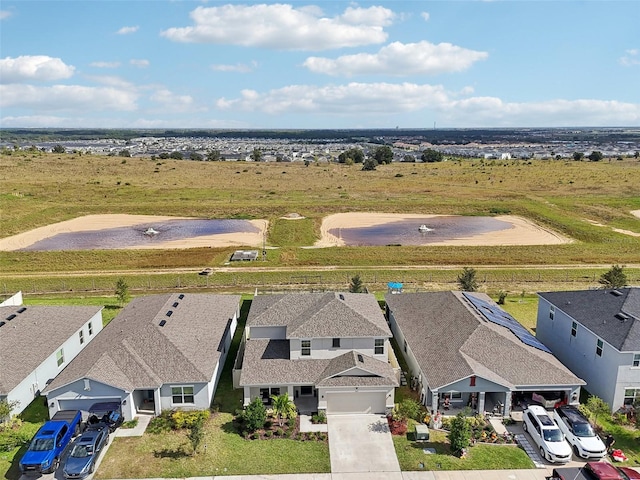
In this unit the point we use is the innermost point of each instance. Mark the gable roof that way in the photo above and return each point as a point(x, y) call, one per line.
point(267, 362)
point(320, 315)
point(597, 310)
point(38, 330)
point(452, 341)
point(135, 351)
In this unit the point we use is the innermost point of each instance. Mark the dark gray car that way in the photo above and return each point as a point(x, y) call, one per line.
point(85, 451)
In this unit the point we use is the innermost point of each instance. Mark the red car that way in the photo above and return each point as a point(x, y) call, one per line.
point(606, 471)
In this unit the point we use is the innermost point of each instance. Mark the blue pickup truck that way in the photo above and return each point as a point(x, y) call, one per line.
point(48, 444)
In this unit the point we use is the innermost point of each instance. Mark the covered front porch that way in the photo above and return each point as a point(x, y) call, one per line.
point(305, 397)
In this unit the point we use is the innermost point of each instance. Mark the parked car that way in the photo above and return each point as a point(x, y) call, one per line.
point(50, 441)
point(579, 432)
point(85, 452)
point(546, 435)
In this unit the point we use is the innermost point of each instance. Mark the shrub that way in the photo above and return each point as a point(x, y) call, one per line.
point(268, 433)
point(255, 415)
point(279, 432)
point(187, 419)
point(159, 424)
point(460, 433)
point(319, 417)
point(10, 439)
point(130, 423)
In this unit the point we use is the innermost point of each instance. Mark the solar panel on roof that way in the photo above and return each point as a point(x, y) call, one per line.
point(496, 315)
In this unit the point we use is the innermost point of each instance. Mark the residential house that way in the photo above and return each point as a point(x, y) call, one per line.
point(161, 352)
point(329, 351)
point(37, 343)
point(596, 334)
point(462, 349)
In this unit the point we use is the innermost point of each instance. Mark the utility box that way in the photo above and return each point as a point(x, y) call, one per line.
point(422, 433)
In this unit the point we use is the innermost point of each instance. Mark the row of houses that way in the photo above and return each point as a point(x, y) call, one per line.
point(330, 352)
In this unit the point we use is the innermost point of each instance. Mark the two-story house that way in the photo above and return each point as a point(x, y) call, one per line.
point(329, 351)
point(596, 334)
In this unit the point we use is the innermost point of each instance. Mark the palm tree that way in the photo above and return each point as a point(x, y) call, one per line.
point(283, 407)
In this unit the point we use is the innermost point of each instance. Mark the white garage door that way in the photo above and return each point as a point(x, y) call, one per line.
point(82, 403)
point(356, 402)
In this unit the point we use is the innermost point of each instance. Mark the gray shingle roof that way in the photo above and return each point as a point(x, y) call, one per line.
point(451, 341)
point(597, 310)
point(32, 336)
point(266, 362)
point(320, 315)
point(134, 351)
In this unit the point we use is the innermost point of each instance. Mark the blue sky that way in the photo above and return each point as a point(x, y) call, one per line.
point(322, 64)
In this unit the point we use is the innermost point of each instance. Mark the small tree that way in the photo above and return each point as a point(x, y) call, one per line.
point(383, 155)
point(256, 155)
point(369, 164)
point(58, 149)
point(460, 433)
point(595, 408)
point(578, 156)
point(356, 285)
point(6, 407)
point(255, 415)
point(595, 156)
point(408, 408)
point(213, 156)
point(196, 434)
point(430, 155)
point(502, 295)
point(614, 278)
point(283, 407)
point(467, 280)
point(122, 291)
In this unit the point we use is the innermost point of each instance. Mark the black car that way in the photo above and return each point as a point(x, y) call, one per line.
point(108, 413)
point(85, 451)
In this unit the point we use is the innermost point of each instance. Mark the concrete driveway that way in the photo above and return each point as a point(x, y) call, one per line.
point(361, 443)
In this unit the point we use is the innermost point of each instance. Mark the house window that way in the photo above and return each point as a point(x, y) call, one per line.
point(81, 336)
point(306, 390)
point(378, 347)
point(574, 329)
point(636, 360)
point(90, 328)
point(60, 356)
point(552, 312)
point(336, 343)
point(305, 347)
point(180, 395)
point(630, 395)
point(599, 347)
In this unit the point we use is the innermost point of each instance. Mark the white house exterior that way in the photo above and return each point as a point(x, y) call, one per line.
point(37, 343)
point(330, 352)
point(161, 352)
point(596, 334)
point(454, 350)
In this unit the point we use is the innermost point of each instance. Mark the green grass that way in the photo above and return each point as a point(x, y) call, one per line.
point(480, 457)
point(627, 439)
point(522, 308)
point(110, 310)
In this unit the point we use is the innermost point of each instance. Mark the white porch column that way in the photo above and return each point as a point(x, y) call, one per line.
point(157, 407)
point(434, 400)
point(481, 402)
point(507, 404)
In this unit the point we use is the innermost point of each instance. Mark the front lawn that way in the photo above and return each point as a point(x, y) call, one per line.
point(479, 457)
point(222, 452)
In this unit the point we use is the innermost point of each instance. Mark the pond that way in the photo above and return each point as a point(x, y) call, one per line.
point(409, 232)
point(141, 235)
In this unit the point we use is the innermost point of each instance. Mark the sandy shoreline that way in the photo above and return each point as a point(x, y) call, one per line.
point(522, 231)
point(100, 222)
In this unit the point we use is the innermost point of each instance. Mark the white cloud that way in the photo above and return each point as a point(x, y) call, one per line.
point(400, 59)
point(284, 27)
point(39, 68)
point(384, 99)
point(631, 57)
point(105, 64)
point(172, 102)
point(112, 81)
point(425, 16)
point(356, 98)
point(238, 67)
point(127, 30)
point(67, 97)
point(44, 121)
point(140, 63)
point(4, 14)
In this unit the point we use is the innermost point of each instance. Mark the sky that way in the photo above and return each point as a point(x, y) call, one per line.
point(319, 64)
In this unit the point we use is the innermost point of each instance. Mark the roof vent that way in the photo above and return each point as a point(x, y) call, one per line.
point(20, 310)
point(622, 316)
point(360, 359)
point(12, 316)
point(341, 296)
point(2, 323)
point(163, 323)
point(169, 313)
point(181, 296)
point(175, 304)
point(616, 293)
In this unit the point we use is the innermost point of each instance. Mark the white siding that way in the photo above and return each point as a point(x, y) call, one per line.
point(202, 400)
point(322, 348)
point(75, 392)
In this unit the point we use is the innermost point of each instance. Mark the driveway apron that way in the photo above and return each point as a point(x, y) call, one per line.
point(361, 443)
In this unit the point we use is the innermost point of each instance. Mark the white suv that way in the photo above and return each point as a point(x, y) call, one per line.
point(546, 435)
point(579, 433)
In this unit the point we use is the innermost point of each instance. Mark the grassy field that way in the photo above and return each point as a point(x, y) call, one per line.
point(569, 197)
